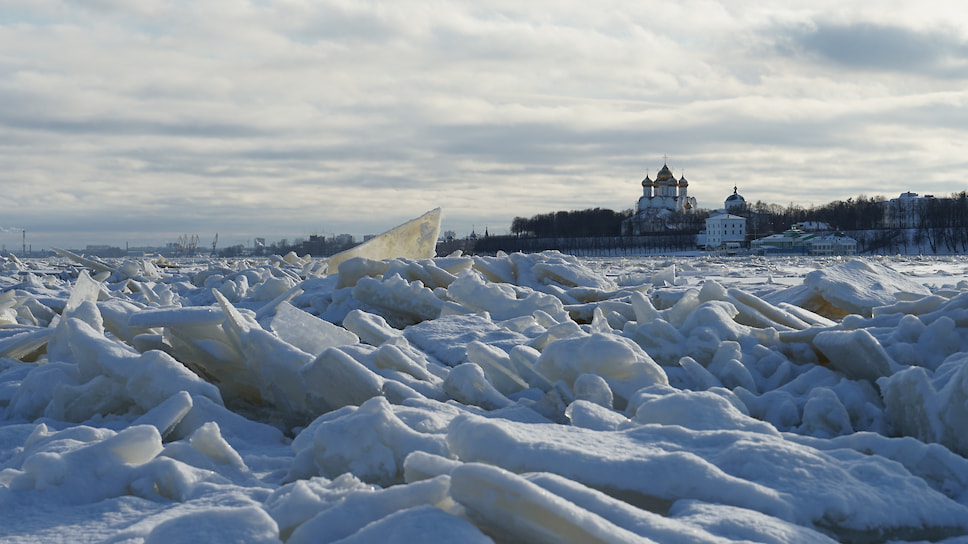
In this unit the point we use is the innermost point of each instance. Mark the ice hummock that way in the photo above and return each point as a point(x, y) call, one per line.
point(853, 287)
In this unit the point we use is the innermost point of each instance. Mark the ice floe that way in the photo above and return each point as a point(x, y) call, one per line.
point(394, 395)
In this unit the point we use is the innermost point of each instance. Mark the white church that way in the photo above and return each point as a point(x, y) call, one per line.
point(666, 193)
point(662, 202)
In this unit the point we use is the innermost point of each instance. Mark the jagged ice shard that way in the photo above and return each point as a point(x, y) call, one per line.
point(415, 239)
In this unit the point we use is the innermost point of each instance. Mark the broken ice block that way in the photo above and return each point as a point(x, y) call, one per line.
point(308, 332)
point(855, 353)
point(510, 506)
point(335, 379)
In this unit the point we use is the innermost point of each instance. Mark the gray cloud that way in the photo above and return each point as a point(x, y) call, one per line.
point(127, 126)
point(938, 52)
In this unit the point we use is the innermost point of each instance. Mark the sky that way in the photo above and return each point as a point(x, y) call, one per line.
point(133, 123)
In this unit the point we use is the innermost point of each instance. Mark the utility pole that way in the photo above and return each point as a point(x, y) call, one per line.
point(25, 243)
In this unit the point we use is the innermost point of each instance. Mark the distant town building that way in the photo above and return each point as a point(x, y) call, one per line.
point(813, 226)
point(319, 245)
point(102, 250)
point(316, 245)
point(344, 239)
point(795, 240)
point(725, 231)
point(904, 212)
point(662, 200)
point(833, 244)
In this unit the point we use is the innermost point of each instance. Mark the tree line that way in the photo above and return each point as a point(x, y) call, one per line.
point(612, 246)
point(576, 223)
point(939, 223)
point(855, 213)
point(944, 223)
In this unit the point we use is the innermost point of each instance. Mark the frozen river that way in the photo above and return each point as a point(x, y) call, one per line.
point(517, 398)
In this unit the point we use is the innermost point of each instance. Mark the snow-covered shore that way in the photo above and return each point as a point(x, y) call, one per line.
point(516, 398)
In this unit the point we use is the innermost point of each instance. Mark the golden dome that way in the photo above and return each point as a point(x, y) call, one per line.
point(664, 175)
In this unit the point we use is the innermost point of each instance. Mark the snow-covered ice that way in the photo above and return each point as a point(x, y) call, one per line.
point(514, 398)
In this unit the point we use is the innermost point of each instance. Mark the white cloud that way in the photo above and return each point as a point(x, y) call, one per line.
point(287, 117)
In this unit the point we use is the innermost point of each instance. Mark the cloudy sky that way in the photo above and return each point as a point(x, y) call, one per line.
point(133, 122)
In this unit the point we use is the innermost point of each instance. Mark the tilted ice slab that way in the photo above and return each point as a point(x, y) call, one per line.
point(415, 239)
point(545, 507)
point(758, 471)
point(853, 287)
point(933, 408)
point(88, 374)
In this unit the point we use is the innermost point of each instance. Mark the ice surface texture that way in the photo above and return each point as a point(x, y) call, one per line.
point(513, 398)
